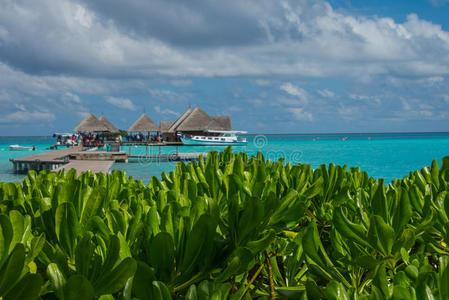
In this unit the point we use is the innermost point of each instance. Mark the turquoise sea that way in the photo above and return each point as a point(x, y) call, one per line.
point(386, 156)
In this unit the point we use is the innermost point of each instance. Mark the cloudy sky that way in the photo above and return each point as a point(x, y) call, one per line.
point(275, 66)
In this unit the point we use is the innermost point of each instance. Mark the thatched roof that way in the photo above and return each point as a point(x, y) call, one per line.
point(175, 125)
point(90, 124)
point(109, 125)
point(224, 122)
point(198, 120)
point(164, 126)
point(144, 123)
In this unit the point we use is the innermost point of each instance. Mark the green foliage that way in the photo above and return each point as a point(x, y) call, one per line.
point(227, 227)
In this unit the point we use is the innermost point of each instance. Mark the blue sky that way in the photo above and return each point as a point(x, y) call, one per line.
point(305, 66)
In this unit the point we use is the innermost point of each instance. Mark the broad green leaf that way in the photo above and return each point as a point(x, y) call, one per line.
point(115, 280)
point(336, 291)
point(78, 288)
point(381, 235)
point(67, 227)
point(27, 288)
point(12, 268)
point(162, 255)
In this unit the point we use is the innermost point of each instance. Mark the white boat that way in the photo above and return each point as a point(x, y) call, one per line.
point(20, 148)
point(214, 137)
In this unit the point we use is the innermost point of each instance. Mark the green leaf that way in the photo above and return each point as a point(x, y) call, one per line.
point(354, 232)
point(291, 292)
point(27, 288)
point(12, 268)
point(403, 213)
point(116, 279)
point(143, 278)
point(191, 293)
point(78, 288)
point(237, 263)
point(6, 235)
point(160, 291)
point(67, 227)
point(381, 235)
point(57, 279)
point(336, 291)
point(83, 255)
point(199, 245)
point(162, 255)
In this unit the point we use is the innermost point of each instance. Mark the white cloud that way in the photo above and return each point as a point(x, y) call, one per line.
point(307, 38)
point(326, 93)
point(166, 111)
point(123, 103)
point(69, 97)
point(262, 82)
point(20, 107)
point(301, 115)
point(296, 91)
point(22, 116)
point(349, 113)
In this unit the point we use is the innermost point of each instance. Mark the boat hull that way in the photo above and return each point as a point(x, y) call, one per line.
point(189, 141)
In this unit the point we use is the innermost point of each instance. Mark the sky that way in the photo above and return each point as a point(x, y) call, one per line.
point(274, 66)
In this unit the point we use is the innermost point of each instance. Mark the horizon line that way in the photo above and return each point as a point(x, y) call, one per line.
point(254, 134)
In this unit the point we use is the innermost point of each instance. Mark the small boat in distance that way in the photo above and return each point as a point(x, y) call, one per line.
point(21, 148)
point(214, 137)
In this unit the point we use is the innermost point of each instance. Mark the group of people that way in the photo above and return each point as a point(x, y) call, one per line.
point(91, 140)
point(98, 140)
point(142, 138)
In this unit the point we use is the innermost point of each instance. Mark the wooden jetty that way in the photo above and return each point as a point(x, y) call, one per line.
point(45, 161)
point(96, 161)
point(95, 166)
point(171, 157)
point(117, 156)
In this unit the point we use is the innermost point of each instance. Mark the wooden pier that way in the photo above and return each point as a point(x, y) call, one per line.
point(45, 161)
point(95, 166)
point(171, 157)
point(96, 161)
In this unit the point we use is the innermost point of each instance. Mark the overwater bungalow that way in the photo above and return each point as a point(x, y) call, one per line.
point(91, 124)
point(94, 131)
point(196, 121)
point(111, 128)
point(144, 124)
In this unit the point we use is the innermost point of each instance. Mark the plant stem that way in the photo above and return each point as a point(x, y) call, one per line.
point(187, 283)
point(252, 280)
point(270, 272)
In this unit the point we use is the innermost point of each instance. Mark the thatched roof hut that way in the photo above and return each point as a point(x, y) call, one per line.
point(144, 123)
point(173, 128)
point(197, 120)
point(111, 128)
point(91, 124)
point(165, 126)
point(224, 122)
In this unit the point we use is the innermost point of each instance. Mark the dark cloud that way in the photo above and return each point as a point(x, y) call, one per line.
point(181, 23)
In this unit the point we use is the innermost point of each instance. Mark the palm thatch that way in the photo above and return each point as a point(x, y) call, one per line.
point(198, 120)
point(174, 127)
point(144, 123)
point(91, 124)
point(165, 126)
point(223, 121)
point(111, 128)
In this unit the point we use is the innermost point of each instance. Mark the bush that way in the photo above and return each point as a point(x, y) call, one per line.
point(227, 227)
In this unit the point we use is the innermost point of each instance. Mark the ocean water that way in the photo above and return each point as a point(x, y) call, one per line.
point(385, 156)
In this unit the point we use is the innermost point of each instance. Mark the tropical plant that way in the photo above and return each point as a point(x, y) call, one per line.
point(228, 226)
